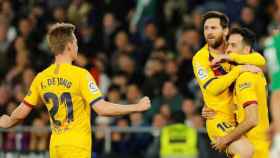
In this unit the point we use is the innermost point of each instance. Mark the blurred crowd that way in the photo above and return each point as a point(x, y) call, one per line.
point(133, 48)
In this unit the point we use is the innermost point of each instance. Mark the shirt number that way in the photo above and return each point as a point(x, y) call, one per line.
point(223, 126)
point(66, 99)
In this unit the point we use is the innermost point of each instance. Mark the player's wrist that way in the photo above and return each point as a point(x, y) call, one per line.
point(227, 57)
point(137, 107)
point(228, 139)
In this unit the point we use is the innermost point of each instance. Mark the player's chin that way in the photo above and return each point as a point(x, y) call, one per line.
point(211, 42)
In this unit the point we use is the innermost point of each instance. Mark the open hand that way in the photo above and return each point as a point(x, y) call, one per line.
point(4, 120)
point(220, 143)
point(208, 113)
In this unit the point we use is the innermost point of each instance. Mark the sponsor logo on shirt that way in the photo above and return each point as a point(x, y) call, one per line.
point(244, 85)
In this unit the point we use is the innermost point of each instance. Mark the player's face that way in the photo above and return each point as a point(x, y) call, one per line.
point(236, 44)
point(213, 32)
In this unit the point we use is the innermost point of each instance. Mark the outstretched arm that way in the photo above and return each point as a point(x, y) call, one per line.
point(93, 96)
point(16, 117)
point(106, 108)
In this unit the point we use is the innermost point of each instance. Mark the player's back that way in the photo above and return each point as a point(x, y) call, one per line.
point(250, 89)
point(261, 90)
point(254, 86)
point(67, 91)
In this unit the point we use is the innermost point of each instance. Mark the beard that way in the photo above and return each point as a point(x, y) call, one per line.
point(215, 43)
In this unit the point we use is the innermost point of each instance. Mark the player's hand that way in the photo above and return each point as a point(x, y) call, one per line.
point(4, 119)
point(220, 143)
point(144, 104)
point(208, 113)
point(220, 58)
point(250, 68)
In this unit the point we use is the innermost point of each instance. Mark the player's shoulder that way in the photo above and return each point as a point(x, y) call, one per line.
point(47, 70)
point(41, 74)
point(201, 54)
point(78, 70)
point(248, 77)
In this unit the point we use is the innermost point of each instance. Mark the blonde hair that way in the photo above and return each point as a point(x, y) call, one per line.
point(59, 35)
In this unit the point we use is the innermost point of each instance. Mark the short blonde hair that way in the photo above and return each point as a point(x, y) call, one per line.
point(59, 35)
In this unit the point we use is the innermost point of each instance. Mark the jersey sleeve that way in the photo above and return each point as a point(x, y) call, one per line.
point(245, 89)
point(89, 90)
point(207, 79)
point(32, 97)
point(253, 58)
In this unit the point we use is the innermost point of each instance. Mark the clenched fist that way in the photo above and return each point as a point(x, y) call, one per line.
point(144, 104)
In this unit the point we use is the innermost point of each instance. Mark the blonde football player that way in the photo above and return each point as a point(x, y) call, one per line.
point(68, 93)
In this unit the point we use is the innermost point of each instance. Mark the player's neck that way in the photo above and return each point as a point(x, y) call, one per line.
point(218, 50)
point(63, 59)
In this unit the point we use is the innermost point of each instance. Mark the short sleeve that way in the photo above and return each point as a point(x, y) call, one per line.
point(245, 89)
point(32, 97)
point(89, 90)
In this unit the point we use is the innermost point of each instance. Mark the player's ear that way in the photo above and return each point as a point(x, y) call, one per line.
point(226, 31)
point(69, 46)
point(247, 49)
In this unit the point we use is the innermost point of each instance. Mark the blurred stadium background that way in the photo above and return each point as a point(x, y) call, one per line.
point(132, 48)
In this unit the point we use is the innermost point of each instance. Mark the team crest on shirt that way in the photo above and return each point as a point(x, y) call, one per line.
point(92, 86)
point(202, 73)
point(244, 85)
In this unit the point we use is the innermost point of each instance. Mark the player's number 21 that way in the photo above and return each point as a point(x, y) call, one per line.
point(64, 98)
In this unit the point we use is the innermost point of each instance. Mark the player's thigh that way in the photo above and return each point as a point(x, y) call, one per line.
point(218, 128)
point(241, 148)
point(72, 152)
